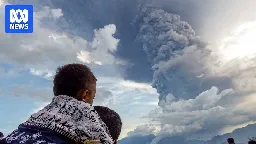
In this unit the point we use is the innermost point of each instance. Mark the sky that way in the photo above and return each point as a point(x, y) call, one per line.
point(168, 67)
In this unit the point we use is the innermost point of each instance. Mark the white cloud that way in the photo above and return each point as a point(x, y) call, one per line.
point(45, 49)
point(235, 58)
point(137, 126)
point(135, 84)
point(152, 103)
point(203, 101)
point(119, 86)
point(211, 111)
point(47, 74)
point(101, 47)
point(104, 39)
point(84, 56)
point(142, 130)
point(240, 43)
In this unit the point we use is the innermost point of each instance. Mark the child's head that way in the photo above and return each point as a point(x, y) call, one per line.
point(111, 119)
point(75, 80)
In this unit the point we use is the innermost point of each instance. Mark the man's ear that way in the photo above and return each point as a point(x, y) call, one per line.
point(84, 95)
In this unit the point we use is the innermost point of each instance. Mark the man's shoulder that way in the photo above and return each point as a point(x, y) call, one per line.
point(27, 134)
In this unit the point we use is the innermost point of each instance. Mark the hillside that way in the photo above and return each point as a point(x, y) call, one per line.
point(241, 136)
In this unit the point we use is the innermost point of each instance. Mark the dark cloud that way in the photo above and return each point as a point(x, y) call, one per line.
point(138, 68)
point(176, 54)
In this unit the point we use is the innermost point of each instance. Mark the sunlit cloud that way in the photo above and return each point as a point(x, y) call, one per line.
point(240, 44)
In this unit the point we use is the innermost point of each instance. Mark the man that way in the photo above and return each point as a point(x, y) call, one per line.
point(231, 141)
point(70, 117)
point(112, 120)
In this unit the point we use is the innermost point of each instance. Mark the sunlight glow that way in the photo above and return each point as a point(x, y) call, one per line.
point(241, 43)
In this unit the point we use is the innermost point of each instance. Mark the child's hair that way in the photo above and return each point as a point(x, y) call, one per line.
point(111, 119)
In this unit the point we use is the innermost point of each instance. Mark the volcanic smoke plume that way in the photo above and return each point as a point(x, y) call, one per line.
point(175, 52)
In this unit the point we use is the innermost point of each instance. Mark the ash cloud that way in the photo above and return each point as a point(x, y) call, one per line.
point(176, 54)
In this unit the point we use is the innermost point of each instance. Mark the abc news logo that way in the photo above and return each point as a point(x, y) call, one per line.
point(16, 21)
point(18, 18)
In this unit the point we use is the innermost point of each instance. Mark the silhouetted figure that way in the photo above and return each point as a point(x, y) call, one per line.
point(1, 135)
point(231, 141)
point(252, 142)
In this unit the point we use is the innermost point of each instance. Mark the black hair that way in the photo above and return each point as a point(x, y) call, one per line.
point(1, 135)
point(71, 78)
point(252, 142)
point(111, 119)
point(231, 140)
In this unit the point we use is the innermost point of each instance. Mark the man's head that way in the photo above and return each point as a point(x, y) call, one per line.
point(111, 119)
point(231, 141)
point(75, 80)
